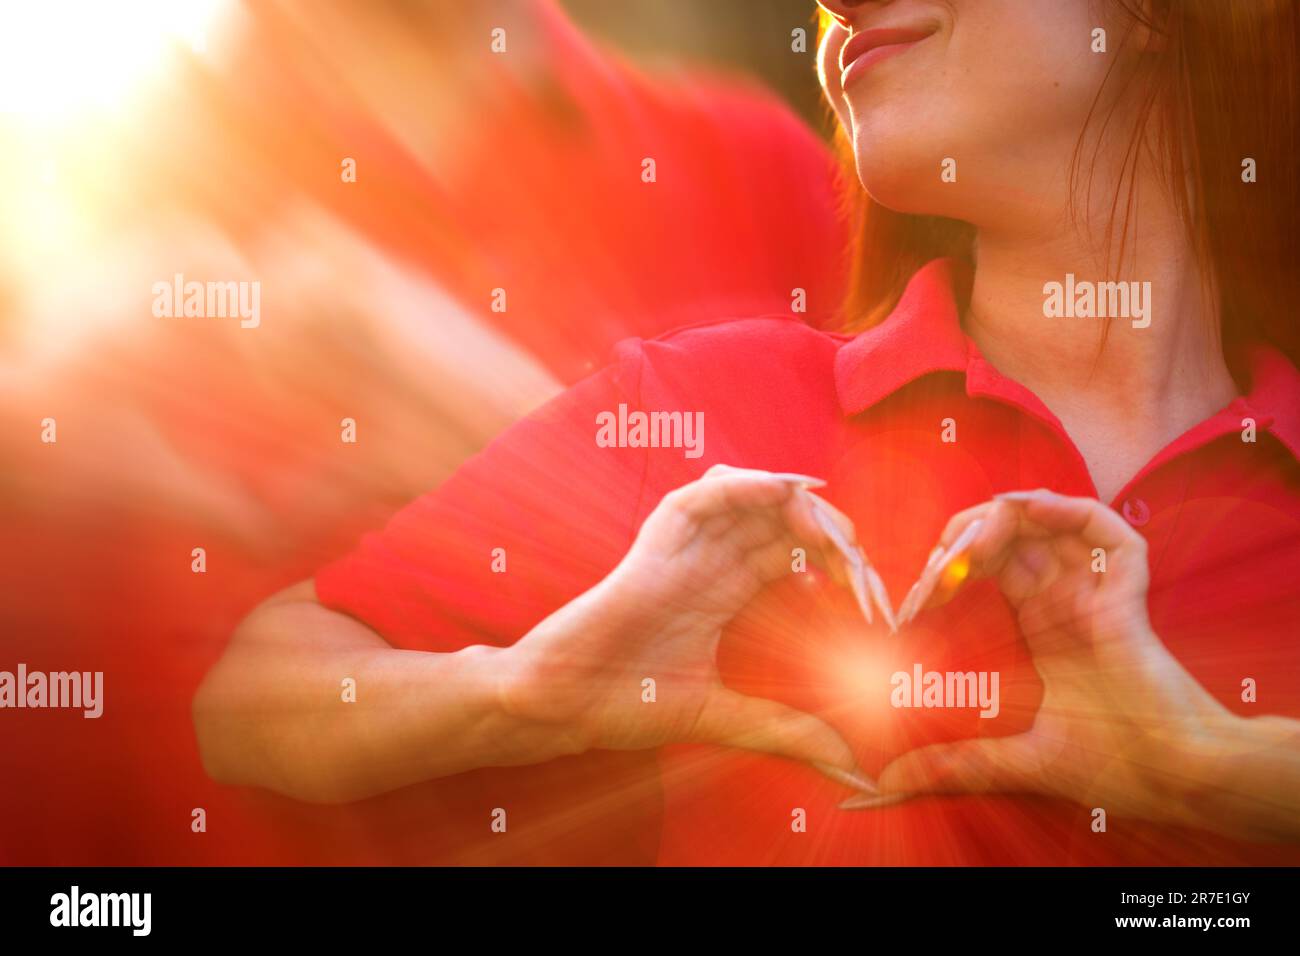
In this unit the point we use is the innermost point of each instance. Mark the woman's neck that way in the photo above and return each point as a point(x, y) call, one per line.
point(1160, 368)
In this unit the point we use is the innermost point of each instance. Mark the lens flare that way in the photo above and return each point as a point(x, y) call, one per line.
point(955, 573)
point(60, 59)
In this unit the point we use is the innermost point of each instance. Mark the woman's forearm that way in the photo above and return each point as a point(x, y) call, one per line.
point(312, 704)
point(1244, 779)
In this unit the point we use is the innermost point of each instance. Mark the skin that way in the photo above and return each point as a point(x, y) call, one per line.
point(1121, 724)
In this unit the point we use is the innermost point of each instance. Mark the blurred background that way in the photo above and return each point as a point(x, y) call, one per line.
point(385, 172)
point(751, 37)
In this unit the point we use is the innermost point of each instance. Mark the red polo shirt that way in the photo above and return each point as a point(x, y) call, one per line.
point(1222, 517)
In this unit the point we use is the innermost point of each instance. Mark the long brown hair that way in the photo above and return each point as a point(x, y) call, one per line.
point(1224, 87)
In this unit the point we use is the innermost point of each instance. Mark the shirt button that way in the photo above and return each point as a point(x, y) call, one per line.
point(1136, 512)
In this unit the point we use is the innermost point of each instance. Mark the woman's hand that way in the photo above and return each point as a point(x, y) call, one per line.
point(699, 558)
point(1122, 725)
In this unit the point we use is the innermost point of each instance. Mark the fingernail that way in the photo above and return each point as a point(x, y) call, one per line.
point(919, 590)
point(908, 609)
point(873, 802)
point(856, 780)
point(880, 595)
point(905, 609)
point(1018, 496)
point(806, 480)
point(827, 524)
point(948, 573)
point(957, 552)
point(858, 580)
point(968, 534)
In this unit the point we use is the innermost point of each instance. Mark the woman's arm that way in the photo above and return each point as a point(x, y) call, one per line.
point(274, 713)
point(1243, 778)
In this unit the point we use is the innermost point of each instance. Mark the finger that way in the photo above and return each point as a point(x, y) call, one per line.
point(735, 494)
point(850, 778)
point(867, 801)
point(958, 523)
point(943, 574)
point(919, 586)
point(977, 542)
point(776, 559)
point(880, 596)
point(977, 765)
point(926, 582)
point(982, 549)
point(833, 524)
point(811, 516)
point(1031, 564)
point(1088, 518)
point(1083, 527)
point(726, 491)
point(764, 517)
point(732, 491)
point(867, 585)
point(757, 723)
point(806, 481)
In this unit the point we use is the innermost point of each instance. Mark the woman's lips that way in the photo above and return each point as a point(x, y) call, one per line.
point(864, 50)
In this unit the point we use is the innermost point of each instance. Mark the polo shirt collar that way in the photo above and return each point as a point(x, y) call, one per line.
point(1274, 397)
point(923, 335)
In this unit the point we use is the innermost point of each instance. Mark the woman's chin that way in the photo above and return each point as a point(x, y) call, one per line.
point(906, 179)
point(898, 193)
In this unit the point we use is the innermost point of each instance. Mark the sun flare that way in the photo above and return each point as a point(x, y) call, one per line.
point(60, 59)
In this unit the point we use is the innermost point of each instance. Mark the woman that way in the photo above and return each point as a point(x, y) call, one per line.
point(659, 630)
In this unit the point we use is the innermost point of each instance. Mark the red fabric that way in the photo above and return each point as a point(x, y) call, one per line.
point(1222, 518)
point(742, 213)
point(546, 200)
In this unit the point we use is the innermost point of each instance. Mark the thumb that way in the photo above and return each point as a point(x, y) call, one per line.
point(978, 765)
point(756, 723)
